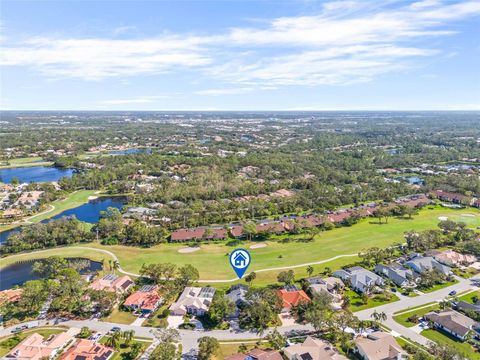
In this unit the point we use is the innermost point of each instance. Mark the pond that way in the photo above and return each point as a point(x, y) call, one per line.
point(19, 273)
point(131, 151)
point(34, 174)
point(89, 212)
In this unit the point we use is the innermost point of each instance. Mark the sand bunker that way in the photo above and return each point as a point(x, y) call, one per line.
point(188, 250)
point(258, 246)
point(443, 218)
point(469, 215)
point(92, 197)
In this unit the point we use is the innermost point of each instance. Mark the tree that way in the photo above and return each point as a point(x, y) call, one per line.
point(187, 275)
point(310, 270)
point(221, 307)
point(250, 277)
point(49, 267)
point(286, 277)
point(128, 336)
point(250, 229)
point(114, 339)
point(207, 347)
point(242, 348)
point(164, 351)
point(378, 316)
point(135, 350)
point(276, 340)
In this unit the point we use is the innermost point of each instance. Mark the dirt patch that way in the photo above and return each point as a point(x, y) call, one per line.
point(188, 250)
point(443, 218)
point(258, 246)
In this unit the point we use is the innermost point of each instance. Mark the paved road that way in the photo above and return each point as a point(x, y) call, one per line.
point(409, 302)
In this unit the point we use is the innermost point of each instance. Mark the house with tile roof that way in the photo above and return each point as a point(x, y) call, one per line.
point(36, 347)
point(85, 349)
point(145, 300)
point(379, 346)
point(292, 297)
point(112, 283)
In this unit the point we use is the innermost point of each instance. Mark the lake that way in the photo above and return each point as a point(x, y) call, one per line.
point(19, 273)
point(34, 174)
point(89, 212)
point(131, 151)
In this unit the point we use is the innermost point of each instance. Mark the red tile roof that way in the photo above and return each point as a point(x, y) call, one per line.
point(292, 298)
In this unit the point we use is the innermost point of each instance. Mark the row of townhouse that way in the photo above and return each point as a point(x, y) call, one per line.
point(287, 224)
point(456, 198)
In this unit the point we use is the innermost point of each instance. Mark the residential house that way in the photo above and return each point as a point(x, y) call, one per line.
point(193, 300)
point(361, 280)
point(146, 299)
point(112, 283)
point(36, 347)
point(452, 322)
point(10, 295)
point(88, 350)
point(465, 306)
point(330, 286)
point(451, 197)
point(420, 264)
point(199, 233)
point(452, 258)
point(312, 349)
point(399, 275)
point(379, 346)
point(291, 297)
point(257, 354)
point(237, 295)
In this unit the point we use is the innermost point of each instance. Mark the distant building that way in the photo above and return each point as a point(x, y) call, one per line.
point(36, 347)
point(10, 295)
point(88, 350)
point(193, 300)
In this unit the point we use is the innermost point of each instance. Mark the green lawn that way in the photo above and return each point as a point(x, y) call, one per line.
point(470, 296)
point(356, 303)
point(120, 317)
point(230, 349)
point(213, 263)
point(23, 162)
point(439, 286)
point(9, 342)
point(442, 338)
point(402, 319)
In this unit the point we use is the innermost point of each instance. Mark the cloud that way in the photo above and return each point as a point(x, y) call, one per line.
point(346, 42)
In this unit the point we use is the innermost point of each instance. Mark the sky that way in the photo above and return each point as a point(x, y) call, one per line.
point(240, 55)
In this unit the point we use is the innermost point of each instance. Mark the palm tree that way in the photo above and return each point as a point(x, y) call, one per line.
point(250, 277)
point(116, 265)
point(378, 317)
point(309, 270)
point(114, 339)
point(128, 336)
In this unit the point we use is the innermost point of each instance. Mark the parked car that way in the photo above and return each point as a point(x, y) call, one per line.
point(115, 328)
point(452, 293)
point(393, 289)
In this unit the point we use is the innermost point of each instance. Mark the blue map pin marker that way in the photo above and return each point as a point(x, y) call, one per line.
point(240, 259)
